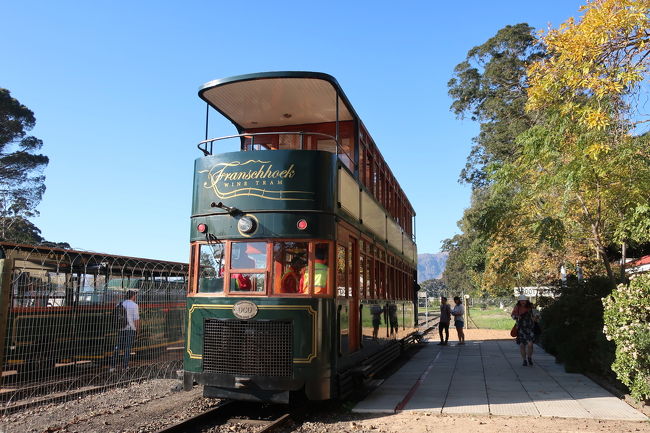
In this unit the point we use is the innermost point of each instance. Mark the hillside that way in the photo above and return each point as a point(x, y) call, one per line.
point(431, 266)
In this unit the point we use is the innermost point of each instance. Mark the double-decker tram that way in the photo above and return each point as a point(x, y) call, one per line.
point(303, 260)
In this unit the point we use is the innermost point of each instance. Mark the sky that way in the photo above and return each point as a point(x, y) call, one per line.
point(113, 86)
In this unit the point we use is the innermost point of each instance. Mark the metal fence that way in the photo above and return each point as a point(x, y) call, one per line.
point(58, 330)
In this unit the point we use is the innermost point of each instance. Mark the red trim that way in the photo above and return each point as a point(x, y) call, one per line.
point(639, 262)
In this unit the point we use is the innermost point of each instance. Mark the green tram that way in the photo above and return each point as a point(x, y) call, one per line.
point(303, 260)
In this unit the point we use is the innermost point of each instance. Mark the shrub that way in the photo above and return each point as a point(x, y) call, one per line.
point(627, 323)
point(572, 327)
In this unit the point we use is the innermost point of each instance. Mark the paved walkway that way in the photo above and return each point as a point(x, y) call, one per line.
point(486, 377)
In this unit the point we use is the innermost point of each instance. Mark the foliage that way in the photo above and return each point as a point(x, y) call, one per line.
point(466, 260)
point(572, 327)
point(627, 323)
point(22, 231)
point(580, 178)
point(21, 169)
point(434, 288)
point(568, 196)
point(595, 62)
point(489, 86)
point(558, 176)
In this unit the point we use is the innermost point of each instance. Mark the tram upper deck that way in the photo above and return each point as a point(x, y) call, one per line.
point(306, 111)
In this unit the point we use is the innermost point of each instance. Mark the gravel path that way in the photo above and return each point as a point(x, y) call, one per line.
point(142, 407)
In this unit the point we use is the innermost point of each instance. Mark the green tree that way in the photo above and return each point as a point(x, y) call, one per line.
point(466, 261)
point(581, 160)
point(21, 171)
point(434, 288)
point(489, 86)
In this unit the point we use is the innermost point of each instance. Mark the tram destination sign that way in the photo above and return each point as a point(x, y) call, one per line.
point(265, 180)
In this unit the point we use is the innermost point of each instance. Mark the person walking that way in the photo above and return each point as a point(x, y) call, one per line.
point(445, 318)
point(525, 315)
point(459, 319)
point(393, 319)
point(376, 311)
point(127, 334)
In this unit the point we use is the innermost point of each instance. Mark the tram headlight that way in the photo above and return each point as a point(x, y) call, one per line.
point(302, 224)
point(246, 224)
point(202, 228)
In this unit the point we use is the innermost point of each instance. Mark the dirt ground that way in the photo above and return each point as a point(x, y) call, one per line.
point(148, 406)
point(476, 334)
point(419, 422)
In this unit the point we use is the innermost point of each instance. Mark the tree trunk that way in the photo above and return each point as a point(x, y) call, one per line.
point(608, 266)
point(623, 259)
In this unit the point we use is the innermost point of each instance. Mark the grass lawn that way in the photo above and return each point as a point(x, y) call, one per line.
point(491, 318)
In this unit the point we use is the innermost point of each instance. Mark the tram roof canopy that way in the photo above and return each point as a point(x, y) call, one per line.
point(278, 99)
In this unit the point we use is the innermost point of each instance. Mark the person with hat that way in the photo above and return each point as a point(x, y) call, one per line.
point(525, 314)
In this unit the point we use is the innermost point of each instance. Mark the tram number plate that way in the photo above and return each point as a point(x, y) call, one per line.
point(244, 310)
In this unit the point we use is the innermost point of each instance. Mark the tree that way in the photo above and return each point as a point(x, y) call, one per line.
point(582, 155)
point(434, 288)
point(21, 171)
point(490, 87)
point(596, 64)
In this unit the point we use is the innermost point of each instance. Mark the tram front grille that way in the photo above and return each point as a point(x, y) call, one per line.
point(248, 348)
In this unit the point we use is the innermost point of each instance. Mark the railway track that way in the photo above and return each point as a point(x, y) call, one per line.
point(257, 418)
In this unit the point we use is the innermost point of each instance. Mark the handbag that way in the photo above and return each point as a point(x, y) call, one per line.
point(513, 331)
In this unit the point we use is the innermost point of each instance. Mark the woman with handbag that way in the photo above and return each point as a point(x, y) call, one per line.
point(525, 315)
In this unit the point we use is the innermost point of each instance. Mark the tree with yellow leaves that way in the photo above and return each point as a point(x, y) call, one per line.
point(581, 156)
point(594, 64)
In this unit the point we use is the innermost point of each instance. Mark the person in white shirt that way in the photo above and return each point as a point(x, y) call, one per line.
point(127, 334)
point(459, 315)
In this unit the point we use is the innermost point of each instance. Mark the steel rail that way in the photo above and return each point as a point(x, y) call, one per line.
point(221, 414)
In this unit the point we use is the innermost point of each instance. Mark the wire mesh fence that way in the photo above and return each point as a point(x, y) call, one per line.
point(480, 312)
point(58, 327)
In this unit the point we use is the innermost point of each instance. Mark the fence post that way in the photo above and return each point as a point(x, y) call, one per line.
point(6, 266)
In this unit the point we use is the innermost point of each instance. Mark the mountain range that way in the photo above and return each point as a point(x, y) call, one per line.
point(431, 266)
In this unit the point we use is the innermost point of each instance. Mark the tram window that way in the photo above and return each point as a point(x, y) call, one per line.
point(248, 282)
point(341, 271)
point(362, 272)
point(289, 141)
point(369, 279)
point(289, 262)
point(247, 256)
point(211, 268)
point(351, 252)
point(320, 280)
point(327, 145)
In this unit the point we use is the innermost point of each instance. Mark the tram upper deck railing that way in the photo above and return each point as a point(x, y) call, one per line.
point(324, 142)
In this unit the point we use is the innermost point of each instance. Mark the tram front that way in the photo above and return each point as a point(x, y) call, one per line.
point(261, 288)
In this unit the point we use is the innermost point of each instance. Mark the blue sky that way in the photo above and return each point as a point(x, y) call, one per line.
point(114, 86)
